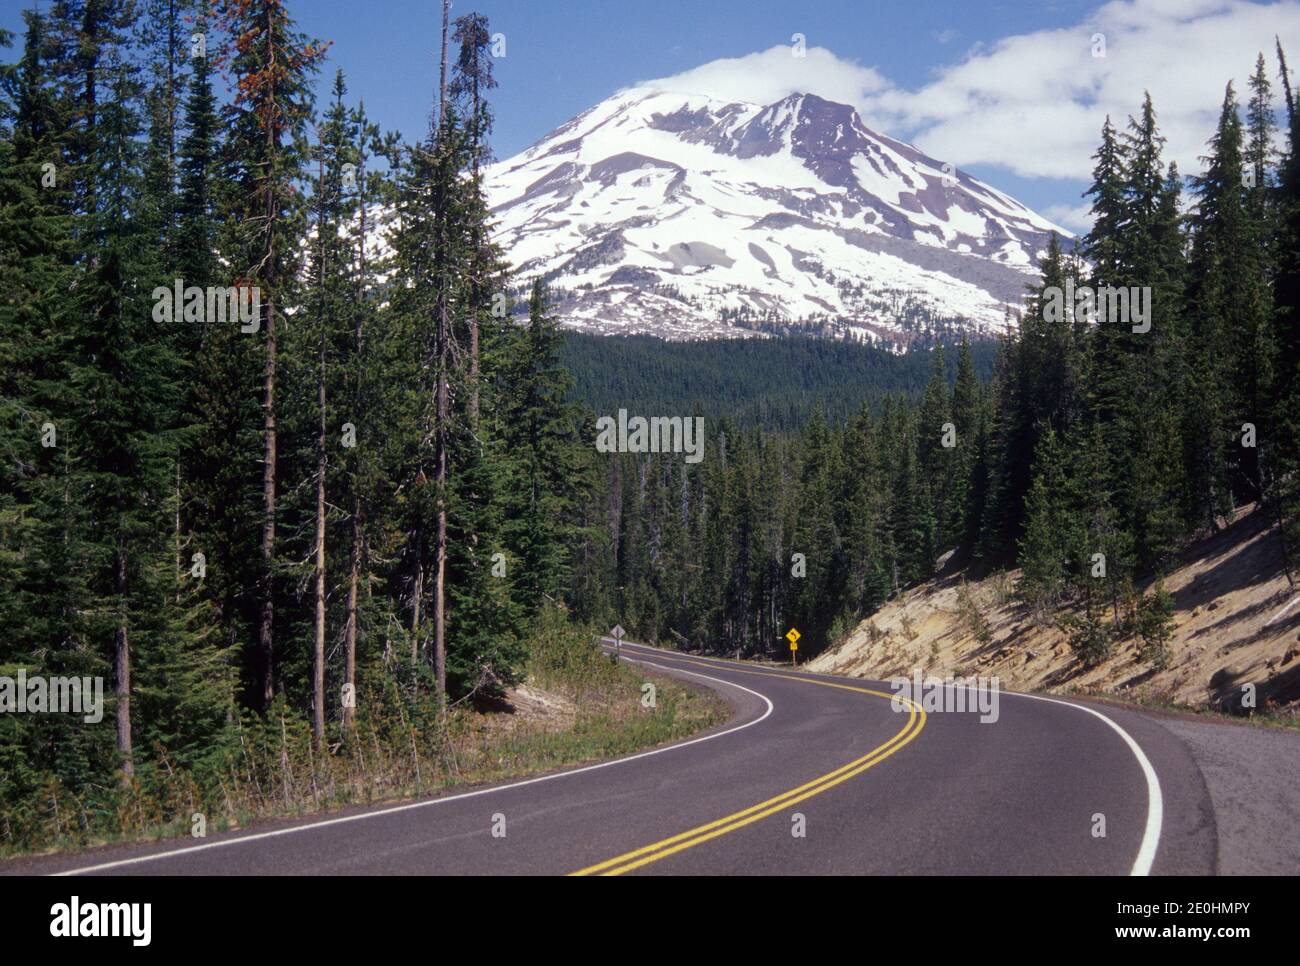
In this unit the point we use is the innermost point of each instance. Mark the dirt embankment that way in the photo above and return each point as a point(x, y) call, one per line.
point(1236, 621)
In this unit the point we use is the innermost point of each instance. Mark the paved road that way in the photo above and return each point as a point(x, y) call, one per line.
point(873, 785)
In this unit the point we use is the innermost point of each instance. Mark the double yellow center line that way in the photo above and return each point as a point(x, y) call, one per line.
point(685, 840)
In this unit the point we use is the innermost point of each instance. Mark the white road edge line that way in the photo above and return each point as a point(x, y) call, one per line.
point(158, 856)
point(1155, 800)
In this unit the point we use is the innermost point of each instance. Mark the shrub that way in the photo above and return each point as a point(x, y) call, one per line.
point(975, 621)
point(1154, 624)
point(1089, 636)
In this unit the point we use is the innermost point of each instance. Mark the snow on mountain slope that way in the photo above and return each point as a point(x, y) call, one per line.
point(690, 217)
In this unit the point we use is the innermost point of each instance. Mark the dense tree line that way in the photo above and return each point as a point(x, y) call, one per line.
point(345, 503)
point(812, 528)
point(774, 383)
point(1106, 439)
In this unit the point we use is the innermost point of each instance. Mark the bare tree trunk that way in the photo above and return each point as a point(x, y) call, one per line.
point(122, 665)
point(443, 334)
point(479, 289)
point(440, 593)
point(354, 562)
point(318, 643)
point(266, 639)
point(318, 655)
point(417, 594)
point(473, 368)
point(440, 548)
point(171, 212)
point(442, 66)
point(266, 636)
point(177, 535)
point(350, 631)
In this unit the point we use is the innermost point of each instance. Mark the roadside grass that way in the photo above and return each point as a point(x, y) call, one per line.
point(614, 713)
point(1267, 717)
point(401, 749)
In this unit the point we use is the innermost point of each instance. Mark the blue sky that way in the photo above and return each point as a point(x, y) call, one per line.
point(1011, 91)
point(562, 56)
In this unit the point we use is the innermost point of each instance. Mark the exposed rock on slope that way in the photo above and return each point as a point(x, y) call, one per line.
point(1237, 621)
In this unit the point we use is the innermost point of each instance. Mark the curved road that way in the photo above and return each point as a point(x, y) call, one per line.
point(874, 786)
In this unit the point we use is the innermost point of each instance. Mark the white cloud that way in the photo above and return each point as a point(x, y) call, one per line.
point(1033, 103)
point(772, 74)
point(1077, 218)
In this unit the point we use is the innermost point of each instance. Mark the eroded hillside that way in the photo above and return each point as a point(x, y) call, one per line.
point(1236, 621)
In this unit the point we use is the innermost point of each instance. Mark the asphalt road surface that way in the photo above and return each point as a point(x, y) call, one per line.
point(812, 775)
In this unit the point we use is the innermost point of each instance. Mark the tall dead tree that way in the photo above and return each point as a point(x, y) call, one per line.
point(318, 643)
point(270, 207)
point(442, 345)
point(358, 351)
point(472, 81)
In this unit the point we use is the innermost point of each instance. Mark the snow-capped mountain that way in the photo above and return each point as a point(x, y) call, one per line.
point(689, 217)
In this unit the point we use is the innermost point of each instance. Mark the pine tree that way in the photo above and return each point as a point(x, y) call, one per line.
point(538, 426)
point(1099, 545)
point(1255, 362)
point(368, 396)
point(267, 145)
point(1037, 387)
point(966, 411)
point(817, 535)
point(330, 289)
point(1007, 475)
point(912, 516)
point(471, 81)
point(934, 456)
point(1287, 282)
point(432, 250)
point(1045, 546)
point(45, 533)
point(121, 430)
point(1103, 243)
point(1285, 402)
point(163, 37)
point(863, 496)
point(1147, 472)
point(1107, 246)
point(1213, 408)
point(207, 472)
point(483, 649)
point(196, 165)
point(447, 143)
